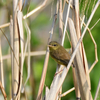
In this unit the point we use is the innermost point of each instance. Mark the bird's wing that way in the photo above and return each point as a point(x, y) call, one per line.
point(64, 61)
point(64, 54)
point(60, 59)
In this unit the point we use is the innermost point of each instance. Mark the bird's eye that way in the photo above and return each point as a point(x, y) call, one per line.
point(54, 45)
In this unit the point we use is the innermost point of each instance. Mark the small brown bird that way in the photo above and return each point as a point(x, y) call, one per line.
point(58, 53)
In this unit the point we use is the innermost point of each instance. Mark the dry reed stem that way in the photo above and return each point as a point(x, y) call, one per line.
point(5, 25)
point(82, 21)
point(3, 91)
point(96, 6)
point(10, 46)
point(35, 10)
point(71, 88)
point(67, 92)
point(34, 53)
point(76, 83)
point(15, 69)
point(97, 95)
point(58, 79)
point(63, 5)
point(41, 86)
point(20, 28)
point(95, 46)
point(27, 15)
point(67, 14)
point(57, 83)
point(78, 33)
point(23, 52)
point(28, 45)
point(29, 54)
point(11, 53)
point(77, 21)
point(82, 50)
point(80, 74)
point(46, 92)
point(86, 67)
point(70, 4)
point(89, 20)
point(95, 24)
point(57, 7)
point(1, 66)
point(60, 21)
point(85, 59)
point(96, 57)
point(60, 31)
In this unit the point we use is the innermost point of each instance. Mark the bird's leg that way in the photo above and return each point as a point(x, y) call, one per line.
point(58, 72)
point(62, 69)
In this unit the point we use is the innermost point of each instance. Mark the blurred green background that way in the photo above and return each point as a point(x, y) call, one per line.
point(40, 24)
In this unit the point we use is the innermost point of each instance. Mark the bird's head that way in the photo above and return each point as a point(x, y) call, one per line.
point(53, 45)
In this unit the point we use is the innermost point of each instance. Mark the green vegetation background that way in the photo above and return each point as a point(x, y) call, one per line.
point(40, 24)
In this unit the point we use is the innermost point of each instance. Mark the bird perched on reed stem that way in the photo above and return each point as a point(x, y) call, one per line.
point(58, 53)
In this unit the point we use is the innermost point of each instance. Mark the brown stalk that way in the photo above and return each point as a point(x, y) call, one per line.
point(76, 84)
point(96, 57)
point(3, 91)
point(27, 15)
point(77, 26)
point(5, 25)
point(67, 92)
point(41, 86)
point(57, 84)
point(35, 10)
point(1, 66)
point(95, 46)
point(80, 73)
point(81, 48)
point(60, 21)
point(60, 30)
point(29, 53)
point(59, 79)
point(20, 35)
point(15, 67)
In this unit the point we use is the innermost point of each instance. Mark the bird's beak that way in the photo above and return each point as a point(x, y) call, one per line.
point(50, 46)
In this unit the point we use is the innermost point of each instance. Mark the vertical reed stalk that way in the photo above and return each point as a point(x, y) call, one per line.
point(60, 28)
point(1, 66)
point(15, 66)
